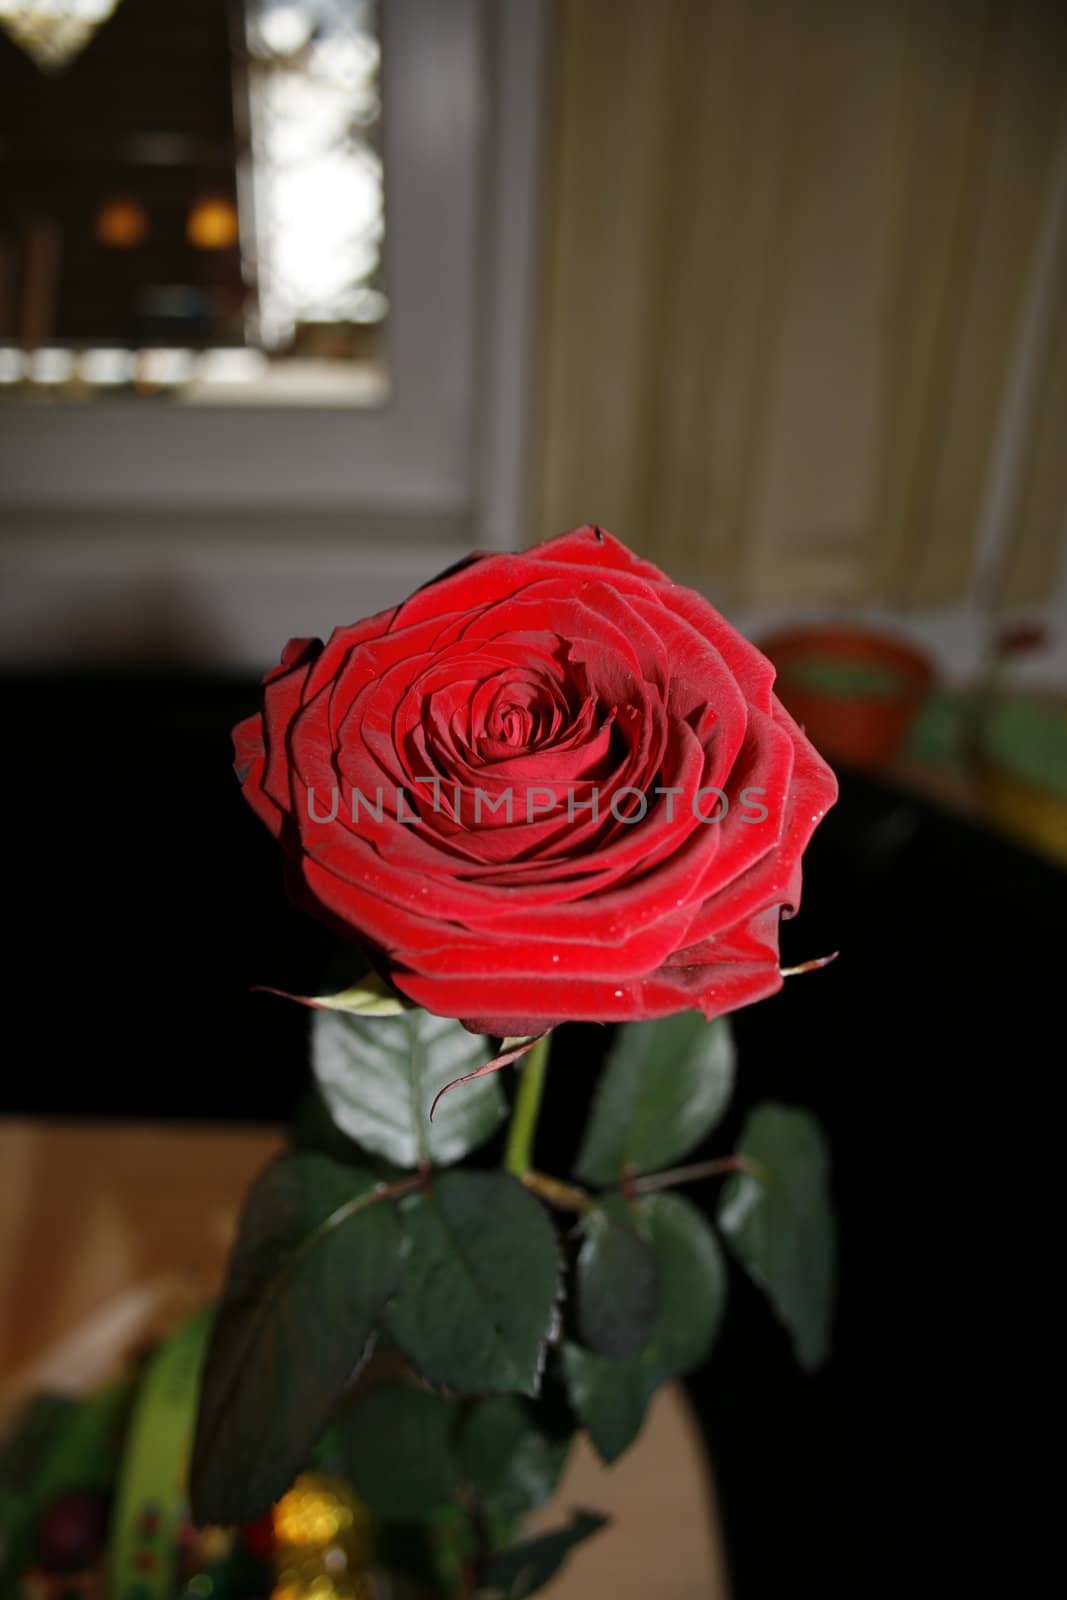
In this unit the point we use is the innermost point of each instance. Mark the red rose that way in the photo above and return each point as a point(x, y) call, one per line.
point(549, 787)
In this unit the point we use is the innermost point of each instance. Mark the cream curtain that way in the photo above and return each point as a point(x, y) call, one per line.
point(789, 251)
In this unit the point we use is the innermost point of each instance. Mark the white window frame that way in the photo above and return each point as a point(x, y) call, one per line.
point(461, 173)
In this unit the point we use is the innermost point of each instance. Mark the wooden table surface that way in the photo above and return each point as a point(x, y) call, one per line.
point(109, 1229)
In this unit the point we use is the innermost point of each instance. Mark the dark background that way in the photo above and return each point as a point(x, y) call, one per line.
point(145, 900)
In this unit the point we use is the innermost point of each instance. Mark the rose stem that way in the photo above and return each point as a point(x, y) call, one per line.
point(563, 1196)
point(518, 1158)
point(692, 1174)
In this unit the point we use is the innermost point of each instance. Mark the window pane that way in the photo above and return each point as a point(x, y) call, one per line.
point(191, 199)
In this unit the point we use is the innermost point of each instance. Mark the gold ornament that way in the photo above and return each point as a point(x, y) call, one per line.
point(322, 1540)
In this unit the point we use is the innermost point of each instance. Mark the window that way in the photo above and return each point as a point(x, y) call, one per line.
point(218, 530)
point(460, 109)
point(192, 200)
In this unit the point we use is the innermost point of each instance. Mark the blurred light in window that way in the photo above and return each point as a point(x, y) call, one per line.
point(213, 223)
point(231, 366)
point(12, 364)
point(103, 367)
point(165, 367)
point(51, 366)
point(121, 223)
point(53, 32)
point(281, 29)
point(155, 149)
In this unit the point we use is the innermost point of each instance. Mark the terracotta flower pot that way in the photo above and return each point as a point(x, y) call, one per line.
point(855, 692)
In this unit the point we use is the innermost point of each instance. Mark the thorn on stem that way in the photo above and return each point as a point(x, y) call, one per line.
point(504, 1059)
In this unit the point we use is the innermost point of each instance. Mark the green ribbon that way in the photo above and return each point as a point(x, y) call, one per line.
point(151, 1504)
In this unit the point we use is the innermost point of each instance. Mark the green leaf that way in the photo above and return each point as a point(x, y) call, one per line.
point(665, 1086)
point(513, 1574)
point(314, 1131)
point(610, 1397)
point(511, 1463)
point(379, 1078)
point(617, 1281)
point(396, 1450)
point(478, 1300)
point(316, 1258)
point(780, 1223)
point(692, 1283)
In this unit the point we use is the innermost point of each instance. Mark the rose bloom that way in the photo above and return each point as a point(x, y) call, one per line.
point(552, 786)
